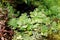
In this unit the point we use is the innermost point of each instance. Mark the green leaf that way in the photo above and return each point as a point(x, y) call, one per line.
point(13, 22)
point(44, 30)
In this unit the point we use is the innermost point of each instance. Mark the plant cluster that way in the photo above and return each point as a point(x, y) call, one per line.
point(42, 24)
point(6, 32)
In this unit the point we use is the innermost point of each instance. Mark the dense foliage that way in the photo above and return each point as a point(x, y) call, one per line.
point(42, 24)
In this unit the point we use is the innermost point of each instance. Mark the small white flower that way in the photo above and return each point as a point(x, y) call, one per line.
point(19, 37)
